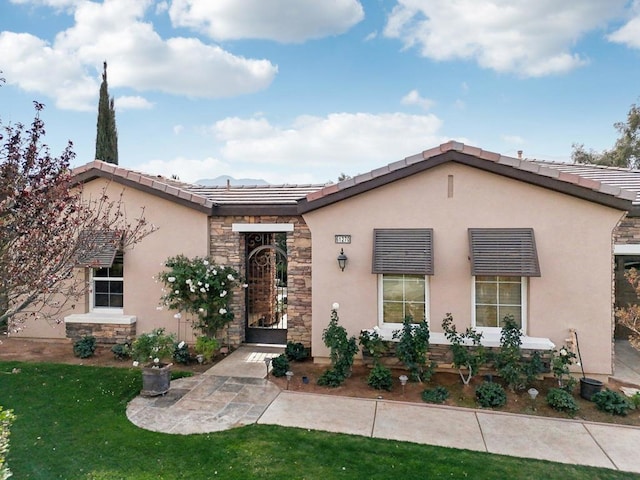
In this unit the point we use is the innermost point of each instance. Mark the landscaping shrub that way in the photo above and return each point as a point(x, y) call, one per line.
point(561, 400)
point(279, 365)
point(181, 353)
point(6, 419)
point(490, 394)
point(380, 378)
point(343, 350)
point(84, 347)
point(296, 351)
point(206, 346)
point(465, 356)
point(511, 366)
point(121, 351)
point(561, 360)
point(435, 395)
point(412, 347)
point(611, 402)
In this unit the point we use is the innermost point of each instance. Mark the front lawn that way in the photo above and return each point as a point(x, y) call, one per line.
point(71, 424)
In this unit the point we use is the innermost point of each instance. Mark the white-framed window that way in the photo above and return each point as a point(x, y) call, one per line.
point(107, 292)
point(495, 297)
point(402, 295)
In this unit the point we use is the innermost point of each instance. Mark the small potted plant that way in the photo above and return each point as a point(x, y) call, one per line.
point(151, 351)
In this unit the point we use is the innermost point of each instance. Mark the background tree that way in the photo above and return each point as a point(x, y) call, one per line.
point(107, 133)
point(42, 215)
point(626, 151)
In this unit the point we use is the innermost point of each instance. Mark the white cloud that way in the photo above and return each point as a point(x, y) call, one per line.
point(68, 69)
point(372, 36)
point(178, 129)
point(310, 149)
point(629, 33)
point(280, 20)
point(513, 139)
point(414, 98)
point(132, 103)
point(527, 38)
point(350, 142)
point(35, 66)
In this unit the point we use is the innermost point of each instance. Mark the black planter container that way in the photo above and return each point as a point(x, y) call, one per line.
point(589, 387)
point(156, 381)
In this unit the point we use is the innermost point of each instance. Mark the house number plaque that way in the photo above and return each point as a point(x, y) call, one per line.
point(343, 238)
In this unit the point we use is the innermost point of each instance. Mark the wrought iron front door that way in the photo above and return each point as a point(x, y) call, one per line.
point(266, 310)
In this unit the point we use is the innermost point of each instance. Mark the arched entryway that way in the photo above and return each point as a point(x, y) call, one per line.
point(266, 301)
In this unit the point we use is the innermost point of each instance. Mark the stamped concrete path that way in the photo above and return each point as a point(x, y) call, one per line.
point(235, 392)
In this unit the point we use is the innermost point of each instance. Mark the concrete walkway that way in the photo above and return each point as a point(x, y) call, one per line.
point(234, 392)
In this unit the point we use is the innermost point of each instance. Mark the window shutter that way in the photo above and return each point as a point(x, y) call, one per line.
point(97, 248)
point(403, 250)
point(504, 252)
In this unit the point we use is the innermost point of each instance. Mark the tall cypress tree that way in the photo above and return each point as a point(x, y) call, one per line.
point(107, 134)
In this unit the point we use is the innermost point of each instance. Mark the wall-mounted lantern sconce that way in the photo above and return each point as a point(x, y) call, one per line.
point(342, 260)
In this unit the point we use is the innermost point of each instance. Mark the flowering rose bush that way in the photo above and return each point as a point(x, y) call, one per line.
point(153, 349)
point(200, 288)
point(561, 360)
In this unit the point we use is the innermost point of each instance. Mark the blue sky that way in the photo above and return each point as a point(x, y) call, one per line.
point(298, 91)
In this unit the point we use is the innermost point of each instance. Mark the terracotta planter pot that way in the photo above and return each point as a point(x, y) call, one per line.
point(156, 381)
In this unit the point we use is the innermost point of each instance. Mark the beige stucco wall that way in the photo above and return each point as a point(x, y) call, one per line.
point(181, 230)
point(573, 240)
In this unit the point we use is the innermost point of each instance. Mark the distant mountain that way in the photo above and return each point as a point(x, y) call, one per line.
point(222, 181)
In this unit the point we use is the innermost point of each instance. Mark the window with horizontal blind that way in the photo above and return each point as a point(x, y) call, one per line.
point(403, 251)
point(503, 252)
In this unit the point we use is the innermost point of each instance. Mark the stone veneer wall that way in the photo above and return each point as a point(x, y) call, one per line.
point(106, 333)
point(227, 248)
point(628, 231)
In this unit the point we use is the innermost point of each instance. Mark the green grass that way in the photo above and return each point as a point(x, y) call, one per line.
point(71, 425)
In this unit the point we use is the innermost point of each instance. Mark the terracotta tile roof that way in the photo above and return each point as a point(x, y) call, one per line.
point(199, 195)
point(156, 184)
point(562, 177)
point(611, 178)
point(254, 194)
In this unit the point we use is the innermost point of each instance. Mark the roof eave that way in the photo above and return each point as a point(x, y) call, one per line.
point(90, 174)
point(550, 182)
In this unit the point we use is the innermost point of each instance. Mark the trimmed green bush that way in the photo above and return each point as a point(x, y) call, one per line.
point(121, 351)
point(435, 395)
point(279, 365)
point(561, 400)
point(85, 347)
point(380, 378)
point(490, 394)
point(611, 402)
point(296, 351)
point(181, 353)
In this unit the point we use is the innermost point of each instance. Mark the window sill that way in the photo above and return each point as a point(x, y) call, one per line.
point(489, 339)
point(94, 317)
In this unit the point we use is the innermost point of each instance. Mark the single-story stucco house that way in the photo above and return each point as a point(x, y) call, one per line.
point(452, 229)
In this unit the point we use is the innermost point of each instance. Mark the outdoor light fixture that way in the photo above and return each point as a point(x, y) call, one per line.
point(267, 362)
point(289, 374)
point(342, 260)
point(403, 382)
point(533, 393)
